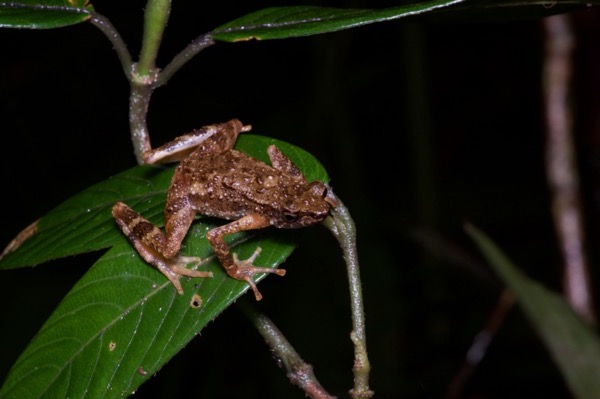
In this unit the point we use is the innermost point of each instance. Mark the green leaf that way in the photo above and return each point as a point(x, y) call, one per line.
point(84, 223)
point(44, 14)
point(295, 21)
point(573, 345)
point(123, 320)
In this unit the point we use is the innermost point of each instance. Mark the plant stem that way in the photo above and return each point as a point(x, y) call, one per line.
point(144, 77)
point(199, 44)
point(155, 21)
point(115, 38)
point(145, 74)
point(481, 343)
point(139, 99)
point(299, 372)
point(140, 89)
point(340, 223)
point(561, 165)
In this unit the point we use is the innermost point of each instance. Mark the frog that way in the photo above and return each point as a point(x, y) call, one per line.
point(215, 180)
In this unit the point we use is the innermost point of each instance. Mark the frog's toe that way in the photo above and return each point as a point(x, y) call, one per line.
point(175, 268)
point(179, 267)
point(245, 270)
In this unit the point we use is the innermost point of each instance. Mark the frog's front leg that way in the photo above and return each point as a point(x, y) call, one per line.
point(240, 270)
point(151, 244)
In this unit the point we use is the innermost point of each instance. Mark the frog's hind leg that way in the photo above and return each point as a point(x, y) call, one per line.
point(150, 243)
point(240, 270)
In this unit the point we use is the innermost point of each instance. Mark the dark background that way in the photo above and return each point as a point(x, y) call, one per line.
point(360, 101)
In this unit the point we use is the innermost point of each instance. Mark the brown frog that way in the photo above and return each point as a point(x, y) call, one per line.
point(215, 180)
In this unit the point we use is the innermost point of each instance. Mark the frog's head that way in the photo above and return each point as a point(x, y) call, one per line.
point(308, 207)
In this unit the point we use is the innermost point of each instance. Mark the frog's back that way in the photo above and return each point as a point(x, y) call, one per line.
point(231, 184)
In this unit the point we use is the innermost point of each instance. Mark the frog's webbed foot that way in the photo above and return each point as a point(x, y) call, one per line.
point(245, 270)
point(174, 268)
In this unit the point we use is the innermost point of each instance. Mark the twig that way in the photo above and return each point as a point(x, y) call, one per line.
point(144, 76)
point(139, 99)
point(199, 44)
point(299, 372)
point(115, 38)
point(340, 223)
point(140, 88)
point(561, 166)
point(480, 344)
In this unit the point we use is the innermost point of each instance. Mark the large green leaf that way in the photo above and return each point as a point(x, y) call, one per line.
point(123, 320)
point(43, 14)
point(84, 223)
point(294, 21)
point(574, 346)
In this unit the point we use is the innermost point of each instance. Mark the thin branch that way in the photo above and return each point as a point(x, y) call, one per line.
point(199, 44)
point(340, 223)
point(299, 372)
point(481, 343)
point(141, 89)
point(115, 38)
point(139, 100)
point(561, 165)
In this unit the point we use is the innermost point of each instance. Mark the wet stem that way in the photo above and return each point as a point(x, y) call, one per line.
point(342, 226)
point(298, 371)
point(561, 165)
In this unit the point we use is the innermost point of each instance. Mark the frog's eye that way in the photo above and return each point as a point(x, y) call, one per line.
point(290, 217)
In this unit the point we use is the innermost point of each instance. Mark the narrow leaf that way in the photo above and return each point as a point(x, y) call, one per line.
point(43, 14)
point(295, 21)
point(573, 345)
point(84, 223)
